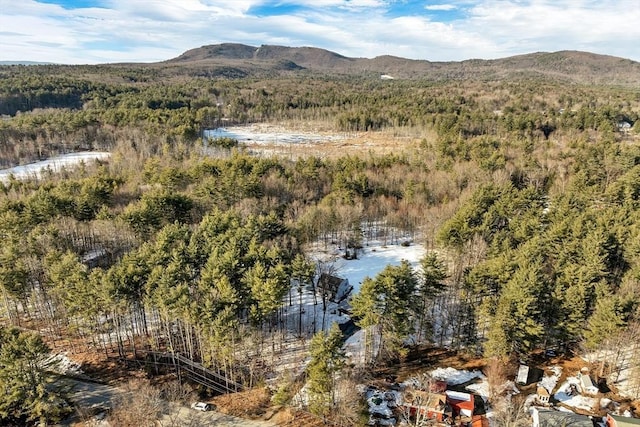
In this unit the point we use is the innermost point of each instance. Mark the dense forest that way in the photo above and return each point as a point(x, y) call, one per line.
point(525, 193)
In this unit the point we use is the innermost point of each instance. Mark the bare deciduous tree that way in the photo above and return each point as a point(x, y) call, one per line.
point(140, 406)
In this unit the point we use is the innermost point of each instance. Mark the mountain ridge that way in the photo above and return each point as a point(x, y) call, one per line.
point(569, 65)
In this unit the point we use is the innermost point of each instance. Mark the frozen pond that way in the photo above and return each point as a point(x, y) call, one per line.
point(54, 164)
point(269, 135)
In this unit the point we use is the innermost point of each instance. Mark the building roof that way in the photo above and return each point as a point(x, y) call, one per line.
point(330, 280)
point(551, 418)
point(541, 391)
point(621, 421)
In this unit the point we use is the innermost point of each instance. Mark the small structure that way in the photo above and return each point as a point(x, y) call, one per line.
point(462, 404)
point(551, 418)
point(619, 421)
point(335, 287)
point(585, 385)
point(528, 375)
point(542, 395)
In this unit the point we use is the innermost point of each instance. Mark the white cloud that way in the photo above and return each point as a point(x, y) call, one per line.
point(345, 4)
point(443, 7)
point(153, 30)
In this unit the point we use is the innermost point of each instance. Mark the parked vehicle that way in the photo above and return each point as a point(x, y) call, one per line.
point(201, 406)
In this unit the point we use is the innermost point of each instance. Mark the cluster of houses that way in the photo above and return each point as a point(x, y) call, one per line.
point(543, 414)
point(437, 402)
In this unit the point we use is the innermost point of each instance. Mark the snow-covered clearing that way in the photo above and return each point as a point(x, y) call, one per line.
point(61, 364)
point(624, 376)
point(269, 135)
point(575, 400)
point(549, 382)
point(303, 311)
point(54, 164)
point(373, 259)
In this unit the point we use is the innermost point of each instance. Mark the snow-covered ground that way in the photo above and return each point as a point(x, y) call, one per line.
point(271, 135)
point(372, 259)
point(61, 364)
point(624, 377)
point(454, 376)
point(304, 314)
point(565, 396)
point(549, 382)
point(54, 164)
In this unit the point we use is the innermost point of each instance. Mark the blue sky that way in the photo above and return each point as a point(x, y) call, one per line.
point(87, 32)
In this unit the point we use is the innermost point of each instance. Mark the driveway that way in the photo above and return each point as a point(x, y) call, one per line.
point(88, 394)
point(180, 416)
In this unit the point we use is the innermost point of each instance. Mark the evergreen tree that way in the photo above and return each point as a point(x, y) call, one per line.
point(515, 327)
point(431, 277)
point(607, 321)
point(25, 393)
point(327, 358)
point(388, 304)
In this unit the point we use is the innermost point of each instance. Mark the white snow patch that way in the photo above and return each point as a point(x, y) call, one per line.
point(381, 404)
point(454, 376)
point(576, 400)
point(271, 135)
point(604, 402)
point(55, 164)
point(62, 364)
point(624, 376)
point(372, 260)
point(549, 382)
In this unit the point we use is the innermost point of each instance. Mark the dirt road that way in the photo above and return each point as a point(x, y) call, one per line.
point(187, 417)
point(94, 395)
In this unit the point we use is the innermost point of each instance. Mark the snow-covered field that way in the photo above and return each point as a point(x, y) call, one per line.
point(624, 377)
point(268, 134)
point(578, 401)
point(54, 164)
point(372, 259)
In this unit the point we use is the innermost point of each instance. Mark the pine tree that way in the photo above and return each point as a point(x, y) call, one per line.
point(607, 321)
point(387, 303)
point(24, 391)
point(327, 359)
point(431, 277)
point(515, 326)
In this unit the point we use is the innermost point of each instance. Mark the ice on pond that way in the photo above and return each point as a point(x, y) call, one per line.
point(55, 164)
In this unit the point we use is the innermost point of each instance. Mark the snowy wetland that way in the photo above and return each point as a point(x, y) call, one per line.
point(52, 165)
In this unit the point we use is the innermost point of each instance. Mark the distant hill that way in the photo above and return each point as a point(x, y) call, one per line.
point(230, 59)
point(302, 57)
point(24, 63)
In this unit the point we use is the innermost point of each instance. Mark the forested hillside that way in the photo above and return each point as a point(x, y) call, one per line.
point(525, 191)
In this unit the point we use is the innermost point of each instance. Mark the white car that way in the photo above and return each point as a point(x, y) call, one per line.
point(201, 406)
